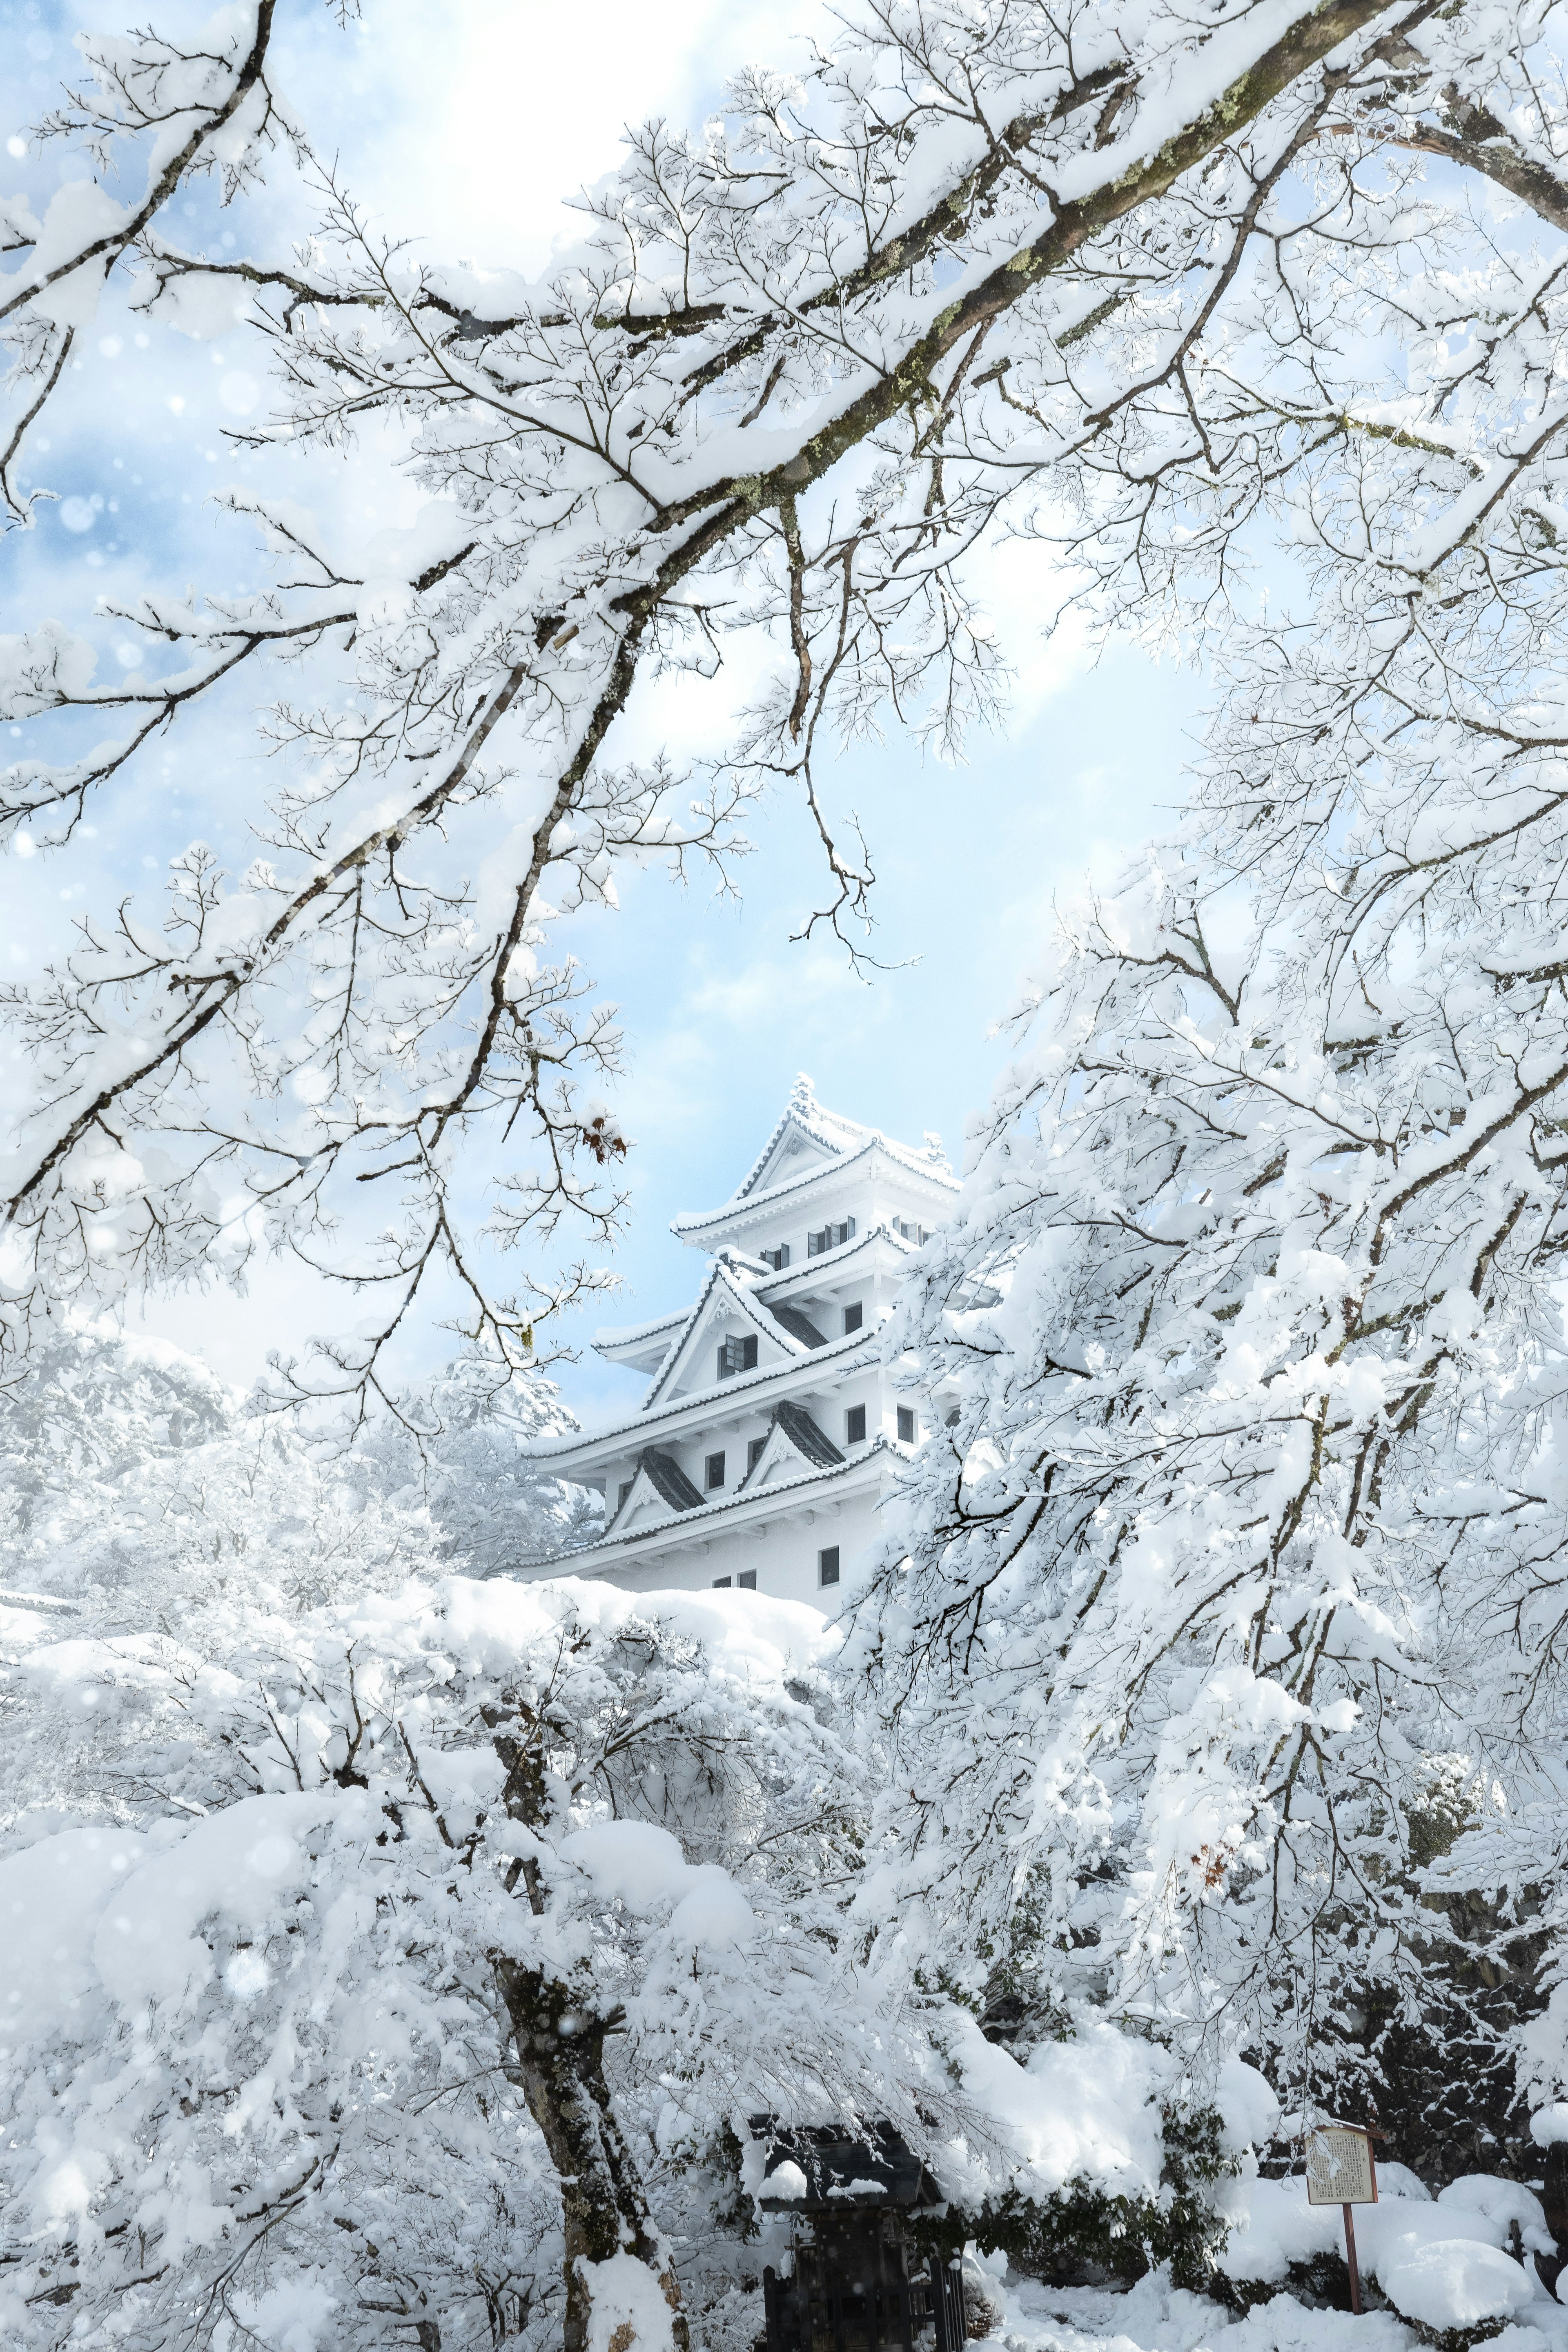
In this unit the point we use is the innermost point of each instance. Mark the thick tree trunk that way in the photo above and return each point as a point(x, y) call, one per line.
point(620, 2271)
point(560, 2052)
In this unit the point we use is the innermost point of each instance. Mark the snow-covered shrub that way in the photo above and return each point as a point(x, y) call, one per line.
point(467, 1460)
point(151, 1503)
point(1086, 2232)
point(273, 2048)
point(1458, 2268)
point(135, 1483)
point(128, 1471)
point(1115, 2170)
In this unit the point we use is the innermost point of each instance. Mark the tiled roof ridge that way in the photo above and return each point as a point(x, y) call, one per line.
point(836, 1258)
point(799, 1324)
point(806, 1432)
point(812, 1118)
point(677, 1337)
point(627, 1335)
point(621, 1335)
point(670, 1479)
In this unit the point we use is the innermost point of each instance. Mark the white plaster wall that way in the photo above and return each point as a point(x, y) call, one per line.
point(783, 1560)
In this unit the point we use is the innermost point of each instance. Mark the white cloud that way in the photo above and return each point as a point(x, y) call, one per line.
point(488, 133)
point(809, 982)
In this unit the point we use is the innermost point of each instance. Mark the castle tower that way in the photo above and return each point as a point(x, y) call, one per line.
point(770, 1429)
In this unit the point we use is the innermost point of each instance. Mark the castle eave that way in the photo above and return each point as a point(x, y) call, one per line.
point(563, 1455)
point(748, 1209)
point(777, 1500)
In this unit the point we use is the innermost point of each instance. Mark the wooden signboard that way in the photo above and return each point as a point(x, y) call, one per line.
point(1341, 2171)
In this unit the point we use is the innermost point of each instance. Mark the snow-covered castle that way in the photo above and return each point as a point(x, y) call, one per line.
point(770, 1429)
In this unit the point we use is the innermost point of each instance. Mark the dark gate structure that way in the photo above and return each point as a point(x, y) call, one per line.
point(850, 2288)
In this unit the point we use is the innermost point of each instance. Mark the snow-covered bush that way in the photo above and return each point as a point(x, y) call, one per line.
point(142, 1496)
point(1458, 2268)
point(1087, 2231)
point(507, 1904)
point(397, 1893)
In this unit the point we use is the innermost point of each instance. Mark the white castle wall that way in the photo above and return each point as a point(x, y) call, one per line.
point(783, 1559)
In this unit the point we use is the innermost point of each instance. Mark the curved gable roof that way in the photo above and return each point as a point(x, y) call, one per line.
point(737, 1299)
point(834, 1140)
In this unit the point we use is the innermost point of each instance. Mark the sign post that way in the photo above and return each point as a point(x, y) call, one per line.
point(1341, 2171)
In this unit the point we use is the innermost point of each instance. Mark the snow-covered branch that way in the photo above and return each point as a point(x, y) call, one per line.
point(978, 271)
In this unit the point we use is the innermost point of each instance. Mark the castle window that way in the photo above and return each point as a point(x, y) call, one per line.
point(912, 1233)
point(714, 1470)
point(827, 1565)
point(625, 1490)
point(777, 1258)
point(855, 1425)
point(854, 1317)
point(905, 1424)
point(737, 1356)
point(829, 1237)
point(721, 1584)
point(754, 1454)
point(747, 1580)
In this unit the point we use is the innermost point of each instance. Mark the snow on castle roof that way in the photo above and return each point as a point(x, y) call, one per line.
point(738, 1502)
point(836, 1141)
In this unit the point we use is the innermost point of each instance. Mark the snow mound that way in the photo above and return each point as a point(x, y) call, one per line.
point(1088, 2110)
point(642, 1866)
point(51, 1898)
point(1247, 2102)
point(1499, 2203)
point(1455, 2282)
point(1441, 2263)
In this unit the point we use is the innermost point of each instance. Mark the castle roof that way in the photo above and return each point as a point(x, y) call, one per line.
point(748, 1501)
point(830, 1145)
point(843, 1354)
point(762, 1295)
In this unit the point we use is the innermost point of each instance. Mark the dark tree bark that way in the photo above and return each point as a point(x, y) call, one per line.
point(559, 2029)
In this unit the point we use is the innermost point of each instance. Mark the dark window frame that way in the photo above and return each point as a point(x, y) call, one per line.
point(747, 1580)
point(827, 1565)
point(909, 1427)
point(854, 1317)
point(855, 1425)
point(712, 1464)
point(829, 1237)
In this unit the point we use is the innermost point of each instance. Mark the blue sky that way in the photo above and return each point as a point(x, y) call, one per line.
point(464, 124)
